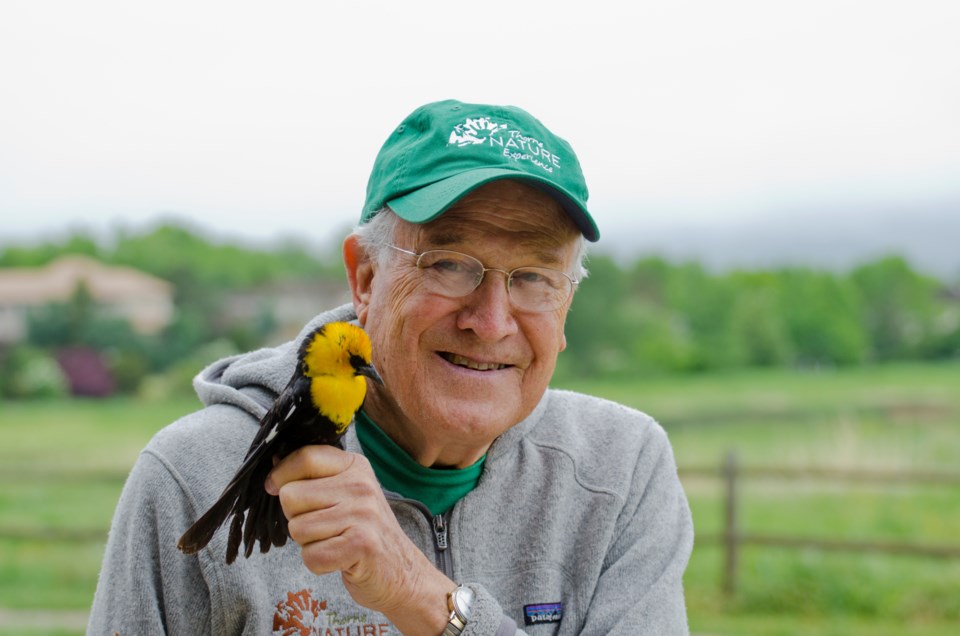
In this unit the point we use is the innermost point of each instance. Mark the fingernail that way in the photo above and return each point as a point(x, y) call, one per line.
point(271, 489)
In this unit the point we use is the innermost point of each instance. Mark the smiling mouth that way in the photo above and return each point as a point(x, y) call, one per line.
point(460, 361)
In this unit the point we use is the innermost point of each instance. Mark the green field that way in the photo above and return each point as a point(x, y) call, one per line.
point(62, 465)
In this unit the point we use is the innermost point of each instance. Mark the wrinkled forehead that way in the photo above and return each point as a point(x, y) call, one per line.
point(503, 211)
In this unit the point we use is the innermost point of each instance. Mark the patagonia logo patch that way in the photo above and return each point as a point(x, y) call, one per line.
point(542, 613)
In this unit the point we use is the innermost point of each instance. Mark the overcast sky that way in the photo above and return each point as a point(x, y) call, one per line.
point(261, 119)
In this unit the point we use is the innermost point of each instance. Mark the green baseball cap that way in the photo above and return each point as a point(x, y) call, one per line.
point(444, 150)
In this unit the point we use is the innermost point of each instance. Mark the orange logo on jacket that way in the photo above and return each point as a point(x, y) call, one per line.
point(302, 615)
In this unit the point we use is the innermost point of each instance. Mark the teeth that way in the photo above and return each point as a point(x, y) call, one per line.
point(470, 364)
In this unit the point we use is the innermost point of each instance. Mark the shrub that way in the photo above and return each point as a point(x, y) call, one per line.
point(29, 372)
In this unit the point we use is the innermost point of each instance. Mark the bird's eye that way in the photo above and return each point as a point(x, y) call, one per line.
point(357, 361)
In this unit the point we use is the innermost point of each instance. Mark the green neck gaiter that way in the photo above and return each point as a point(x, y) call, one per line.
point(437, 488)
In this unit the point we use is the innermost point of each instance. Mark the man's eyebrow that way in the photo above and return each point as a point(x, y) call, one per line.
point(547, 258)
point(444, 239)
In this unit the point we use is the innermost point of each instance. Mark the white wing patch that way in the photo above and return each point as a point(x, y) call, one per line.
point(276, 427)
point(271, 434)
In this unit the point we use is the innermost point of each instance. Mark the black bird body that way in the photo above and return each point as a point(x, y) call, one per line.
point(316, 407)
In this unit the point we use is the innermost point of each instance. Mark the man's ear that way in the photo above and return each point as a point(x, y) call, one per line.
point(360, 271)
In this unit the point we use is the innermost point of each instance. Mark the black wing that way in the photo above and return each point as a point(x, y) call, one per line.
point(291, 422)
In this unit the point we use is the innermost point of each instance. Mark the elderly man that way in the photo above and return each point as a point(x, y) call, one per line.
point(470, 497)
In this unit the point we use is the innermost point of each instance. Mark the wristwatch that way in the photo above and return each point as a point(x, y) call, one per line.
point(460, 604)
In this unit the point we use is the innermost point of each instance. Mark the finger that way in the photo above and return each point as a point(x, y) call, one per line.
point(304, 495)
point(308, 462)
point(331, 555)
point(316, 526)
point(330, 542)
point(355, 491)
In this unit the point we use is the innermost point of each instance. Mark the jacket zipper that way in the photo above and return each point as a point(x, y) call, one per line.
point(441, 543)
point(441, 534)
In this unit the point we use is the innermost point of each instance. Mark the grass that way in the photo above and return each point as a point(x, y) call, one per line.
point(62, 465)
point(79, 435)
point(900, 417)
point(903, 418)
point(44, 574)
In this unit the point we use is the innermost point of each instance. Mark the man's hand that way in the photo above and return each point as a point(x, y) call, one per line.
point(336, 511)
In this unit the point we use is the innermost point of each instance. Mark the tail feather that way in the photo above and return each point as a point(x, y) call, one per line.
point(254, 512)
point(278, 526)
point(236, 533)
point(265, 527)
point(268, 528)
point(201, 532)
point(257, 518)
point(234, 500)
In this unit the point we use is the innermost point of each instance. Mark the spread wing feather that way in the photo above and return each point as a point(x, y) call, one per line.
point(257, 516)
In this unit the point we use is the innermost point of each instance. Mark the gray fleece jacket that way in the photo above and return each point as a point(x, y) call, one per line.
point(578, 525)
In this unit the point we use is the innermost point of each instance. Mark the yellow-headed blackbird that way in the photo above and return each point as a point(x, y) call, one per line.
point(316, 407)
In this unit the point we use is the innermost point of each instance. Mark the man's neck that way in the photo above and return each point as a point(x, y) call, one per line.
point(411, 438)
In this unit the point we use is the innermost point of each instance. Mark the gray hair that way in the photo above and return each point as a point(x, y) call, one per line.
point(379, 232)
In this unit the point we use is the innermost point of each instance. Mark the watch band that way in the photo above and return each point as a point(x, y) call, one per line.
point(454, 627)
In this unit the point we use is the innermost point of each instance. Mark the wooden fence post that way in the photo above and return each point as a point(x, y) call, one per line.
point(731, 531)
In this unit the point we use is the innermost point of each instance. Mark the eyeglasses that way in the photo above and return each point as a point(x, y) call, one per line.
point(452, 274)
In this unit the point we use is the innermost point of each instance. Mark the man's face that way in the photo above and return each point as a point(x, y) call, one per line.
point(460, 371)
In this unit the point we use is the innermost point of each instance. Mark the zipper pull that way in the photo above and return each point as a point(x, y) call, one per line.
point(440, 532)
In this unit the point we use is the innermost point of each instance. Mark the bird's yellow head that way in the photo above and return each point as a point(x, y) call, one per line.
point(336, 358)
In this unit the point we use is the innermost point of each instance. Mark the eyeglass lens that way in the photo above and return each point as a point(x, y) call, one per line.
point(532, 288)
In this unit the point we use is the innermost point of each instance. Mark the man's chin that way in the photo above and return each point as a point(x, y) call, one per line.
point(487, 416)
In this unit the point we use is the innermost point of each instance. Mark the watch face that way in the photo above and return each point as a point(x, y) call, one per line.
point(463, 602)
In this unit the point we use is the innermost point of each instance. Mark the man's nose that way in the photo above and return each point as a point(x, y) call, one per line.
point(487, 310)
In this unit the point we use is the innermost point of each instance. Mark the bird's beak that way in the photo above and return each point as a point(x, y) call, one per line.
point(370, 372)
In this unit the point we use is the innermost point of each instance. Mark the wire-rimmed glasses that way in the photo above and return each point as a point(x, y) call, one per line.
point(454, 274)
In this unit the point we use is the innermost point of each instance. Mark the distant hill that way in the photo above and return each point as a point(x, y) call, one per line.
point(928, 238)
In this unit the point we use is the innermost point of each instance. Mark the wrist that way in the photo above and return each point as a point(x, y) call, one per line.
point(424, 611)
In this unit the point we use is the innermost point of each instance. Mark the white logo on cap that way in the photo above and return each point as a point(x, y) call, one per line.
point(513, 144)
point(474, 131)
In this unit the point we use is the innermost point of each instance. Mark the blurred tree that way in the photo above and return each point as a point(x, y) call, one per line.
point(82, 324)
point(78, 242)
point(650, 316)
point(702, 307)
point(822, 315)
point(30, 372)
point(899, 307)
point(659, 339)
point(80, 321)
point(252, 334)
point(756, 322)
point(595, 324)
point(62, 324)
point(189, 330)
point(177, 254)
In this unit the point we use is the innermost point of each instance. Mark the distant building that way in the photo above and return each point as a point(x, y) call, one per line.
point(145, 301)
